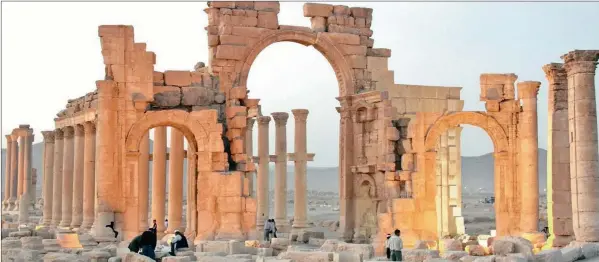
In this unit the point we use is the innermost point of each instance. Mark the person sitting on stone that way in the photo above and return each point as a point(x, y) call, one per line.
point(148, 244)
point(179, 241)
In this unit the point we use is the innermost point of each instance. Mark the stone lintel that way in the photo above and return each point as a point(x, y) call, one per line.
point(76, 119)
point(168, 155)
point(298, 157)
point(278, 158)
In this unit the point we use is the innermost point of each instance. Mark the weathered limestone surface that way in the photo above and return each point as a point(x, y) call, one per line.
point(57, 177)
point(280, 159)
point(300, 158)
point(89, 178)
point(67, 177)
point(48, 175)
point(78, 169)
point(159, 177)
point(262, 175)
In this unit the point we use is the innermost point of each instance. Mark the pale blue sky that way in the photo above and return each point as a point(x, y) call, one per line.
point(51, 52)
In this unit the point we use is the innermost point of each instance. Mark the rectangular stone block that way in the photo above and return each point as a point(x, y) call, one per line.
point(377, 63)
point(356, 61)
point(232, 52)
point(342, 38)
point(318, 24)
point(177, 78)
point(314, 9)
point(249, 31)
point(379, 52)
point(352, 49)
point(268, 20)
point(271, 6)
point(238, 93)
point(229, 204)
point(361, 12)
point(158, 78)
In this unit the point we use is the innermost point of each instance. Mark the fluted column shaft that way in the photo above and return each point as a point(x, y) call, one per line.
point(529, 165)
point(14, 173)
point(21, 163)
point(89, 175)
point(249, 150)
point(584, 159)
point(300, 157)
point(280, 159)
point(48, 175)
point(143, 170)
point(262, 210)
point(159, 176)
point(175, 185)
point(78, 164)
point(67, 177)
point(26, 201)
point(7, 174)
point(559, 205)
point(57, 177)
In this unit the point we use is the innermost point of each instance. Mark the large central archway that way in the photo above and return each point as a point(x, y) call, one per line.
point(504, 186)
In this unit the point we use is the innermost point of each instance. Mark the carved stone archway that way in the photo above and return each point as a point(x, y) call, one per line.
point(196, 134)
point(505, 194)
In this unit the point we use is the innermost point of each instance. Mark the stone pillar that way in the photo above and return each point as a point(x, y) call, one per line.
point(7, 176)
point(346, 161)
point(67, 177)
point(78, 164)
point(175, 184)
point(143, 171)
point(249, 149)
point(300, 157)
point(14, 173)
point(21, 163)
point(584, 159)
point(57, 177)
point(191, 212)
point(89, 175)
point(262, 210)
point(529, 145)
point(559, 204)
point(48, 175)
point(26, 202)
point(280, 159)
point(159, 176)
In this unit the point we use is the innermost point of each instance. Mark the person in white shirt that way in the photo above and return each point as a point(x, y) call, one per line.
point(396, 245)
point(387, 246)
point(268, 229)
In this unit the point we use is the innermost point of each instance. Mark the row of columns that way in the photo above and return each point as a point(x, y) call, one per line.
point(19, 189)
point(300, 157)
point(175, 180)
point(69, 176)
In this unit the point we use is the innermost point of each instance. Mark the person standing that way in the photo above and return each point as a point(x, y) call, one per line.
point(396, 245)
point(154, 226)
point(268, 229)
point(387, 246)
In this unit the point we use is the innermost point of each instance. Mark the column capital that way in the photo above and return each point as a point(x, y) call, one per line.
point(263, 120)
point(555, 72)
point(300, 114)
point(89, 127)
point(280, 118)
point(58, 134)
point(68, 132)
point(78, 130)
point(48, 137)
point(251, 122)
point(344, 101)
point(581, 61)
point(8, 138)
point(528, 89)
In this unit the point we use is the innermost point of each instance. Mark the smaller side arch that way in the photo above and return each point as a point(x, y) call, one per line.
point(478, 119)
point(193, 130)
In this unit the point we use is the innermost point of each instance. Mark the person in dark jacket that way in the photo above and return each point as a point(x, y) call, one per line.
point(179, 241)
point(154, 227)
point(148, 244)
point(135, 244)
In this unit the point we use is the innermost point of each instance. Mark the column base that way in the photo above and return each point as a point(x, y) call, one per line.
point(99, 229)
point(230, 236)
point(557, 241)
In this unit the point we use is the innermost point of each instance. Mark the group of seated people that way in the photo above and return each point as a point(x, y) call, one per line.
point(145, 244)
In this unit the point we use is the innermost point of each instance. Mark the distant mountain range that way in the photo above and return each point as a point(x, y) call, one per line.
point(477, 173)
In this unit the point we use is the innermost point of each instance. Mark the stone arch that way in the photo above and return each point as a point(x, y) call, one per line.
point(195, 133)
point(478, 119)
point(321, 42)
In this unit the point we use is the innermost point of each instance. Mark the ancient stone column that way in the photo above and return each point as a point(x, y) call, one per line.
point(89, 175)
point(249, 149)
point(143, 171)
point(78, 163)
point(301, 158)
point(280, 159)
point(21, 163)
point(175, 184)
point(57, 177)
point(529, 169)
point(26, 202)
point(262, 210)
point(584, 159)
point(14, 173)
point(7, 176)
point(159, 176)
point(559, 205)
point(48, 175)
point(67, 177)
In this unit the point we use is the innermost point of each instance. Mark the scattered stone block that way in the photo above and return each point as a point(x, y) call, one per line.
point(176, 259)
point(347, 257)
point(454, 255)
point(549, 256)
point(265, 252)
point(316, 241)
point(451, 245)
point(419, 254)
point(502, 247)
point(366, 250)
point(570, 254)
point(330, 245)
point(97, 256)
point(476, 250)
point(306, 256)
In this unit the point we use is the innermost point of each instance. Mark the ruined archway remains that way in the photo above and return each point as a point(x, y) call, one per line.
point(385, 128)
